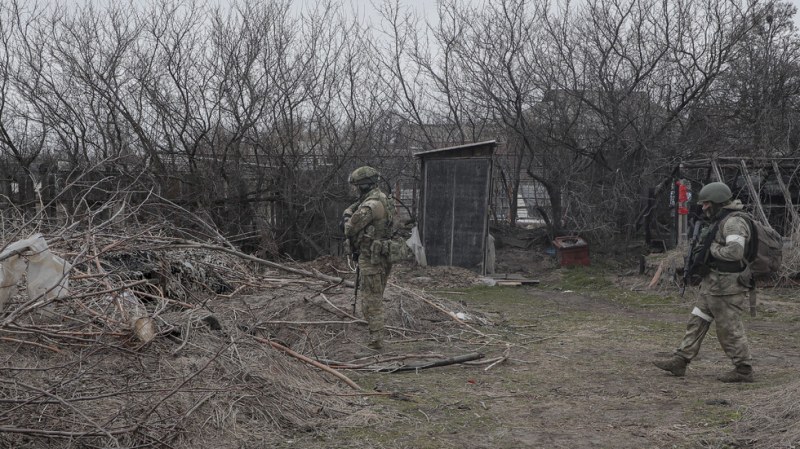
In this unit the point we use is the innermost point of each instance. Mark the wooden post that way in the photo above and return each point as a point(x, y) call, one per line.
point(648, 217)
point(787, 196)
point(717, 171)
point(754, 195)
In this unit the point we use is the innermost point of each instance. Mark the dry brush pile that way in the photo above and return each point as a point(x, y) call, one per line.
point(162, 342)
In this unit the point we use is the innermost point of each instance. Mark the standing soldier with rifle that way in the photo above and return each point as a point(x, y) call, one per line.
point(367, 224)
point(718, 261)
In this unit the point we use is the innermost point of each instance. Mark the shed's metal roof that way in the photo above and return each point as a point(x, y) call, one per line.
point(456, 149)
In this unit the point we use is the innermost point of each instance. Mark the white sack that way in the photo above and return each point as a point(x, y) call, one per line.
point(415, 243)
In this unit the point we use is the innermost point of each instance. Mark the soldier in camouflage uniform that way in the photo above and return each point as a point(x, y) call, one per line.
point(723, 291)
point(367, 224)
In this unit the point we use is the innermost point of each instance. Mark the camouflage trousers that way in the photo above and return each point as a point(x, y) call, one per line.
point(371, 288)
point(727, 312)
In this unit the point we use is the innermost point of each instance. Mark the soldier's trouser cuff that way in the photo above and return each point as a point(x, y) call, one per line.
point(699, 313)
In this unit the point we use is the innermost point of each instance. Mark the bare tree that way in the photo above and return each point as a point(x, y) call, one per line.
point(251, 116)
point(632, 70)
point(752, 109)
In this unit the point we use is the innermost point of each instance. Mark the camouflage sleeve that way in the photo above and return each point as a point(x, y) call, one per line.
point(350, 209)
point(361, 219)
point(735, 234)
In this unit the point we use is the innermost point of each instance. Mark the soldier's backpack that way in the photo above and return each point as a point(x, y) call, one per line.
point(764, 252)
point(395, 248)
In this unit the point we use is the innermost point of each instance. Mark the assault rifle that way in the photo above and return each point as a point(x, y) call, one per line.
point(355, 293)
point(688, 261)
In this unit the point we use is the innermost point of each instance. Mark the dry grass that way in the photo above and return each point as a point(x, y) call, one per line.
point(774, 420)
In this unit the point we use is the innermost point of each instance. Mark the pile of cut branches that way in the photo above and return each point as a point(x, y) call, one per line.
point(165, 342)
point(81, 371)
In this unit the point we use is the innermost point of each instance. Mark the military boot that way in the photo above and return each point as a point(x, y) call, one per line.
point(676, 365)
point(375, 340)
point(742, 373)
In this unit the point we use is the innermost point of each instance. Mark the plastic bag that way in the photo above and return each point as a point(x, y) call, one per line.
point(415, 243)
point(11, 271)
point(48, 274)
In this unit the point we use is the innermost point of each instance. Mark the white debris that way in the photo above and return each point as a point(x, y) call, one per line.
point(47, 273)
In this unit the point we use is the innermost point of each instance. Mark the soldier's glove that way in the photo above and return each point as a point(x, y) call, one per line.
point(345, 217)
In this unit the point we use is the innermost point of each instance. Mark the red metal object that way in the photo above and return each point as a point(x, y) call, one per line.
point(683, 197)
point(571, 250)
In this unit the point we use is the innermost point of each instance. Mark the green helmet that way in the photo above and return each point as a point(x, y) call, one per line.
point(363, 175)
point(716, 192)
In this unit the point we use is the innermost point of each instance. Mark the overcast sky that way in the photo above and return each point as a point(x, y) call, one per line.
point(427, 8)
point(365, 9)
point(796, 3)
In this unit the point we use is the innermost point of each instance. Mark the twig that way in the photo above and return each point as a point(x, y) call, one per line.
point(70, 406)
point(199, 403)
point(320, 323)
point(163, 298)
point(110, 290)
point(483, 362)
point(64, 433)
point(298, 356)
point(345, 365)
point(52, 348)
point(176, 389)
point(501, 359)
point(439, 308)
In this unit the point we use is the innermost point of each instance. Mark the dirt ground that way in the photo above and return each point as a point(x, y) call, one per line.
point(579, 371)
point(565, 363)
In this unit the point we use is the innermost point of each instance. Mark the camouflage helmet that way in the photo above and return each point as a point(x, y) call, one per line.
point(715, 192)
point(363, 175)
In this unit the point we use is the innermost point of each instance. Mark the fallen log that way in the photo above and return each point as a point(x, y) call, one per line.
point(437, 363)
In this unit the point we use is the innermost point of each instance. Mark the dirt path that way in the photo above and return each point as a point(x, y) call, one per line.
point(579, 376)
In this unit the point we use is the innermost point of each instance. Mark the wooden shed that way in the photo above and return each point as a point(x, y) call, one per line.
point(454, 204)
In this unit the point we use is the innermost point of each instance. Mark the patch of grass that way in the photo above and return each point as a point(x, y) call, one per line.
point(583, 278)
point(439, 406)
point(594, 281)
point(715, 415)
point(491, 295)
